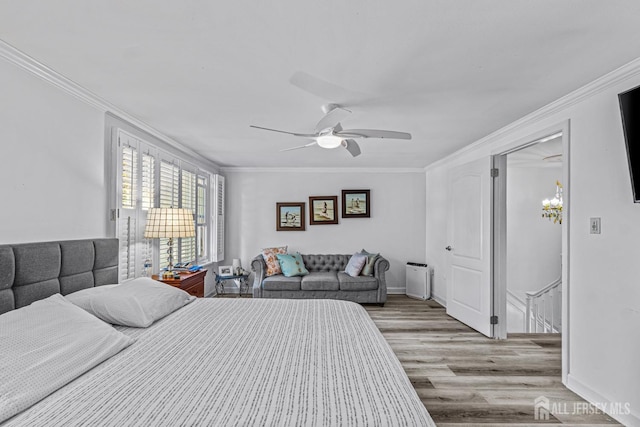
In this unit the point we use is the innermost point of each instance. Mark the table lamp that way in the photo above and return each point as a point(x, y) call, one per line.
point(169, 223)
point(237, 267)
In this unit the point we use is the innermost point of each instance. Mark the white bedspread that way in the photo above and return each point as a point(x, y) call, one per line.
point(262, 362)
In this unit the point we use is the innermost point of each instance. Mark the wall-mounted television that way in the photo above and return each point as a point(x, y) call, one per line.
point(630, 111)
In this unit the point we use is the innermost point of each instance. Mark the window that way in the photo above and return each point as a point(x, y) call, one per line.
point(218, 218)
point(188, 201)
point(148, 177)
point(129, 176)
point(202, 188)
point(133, 248)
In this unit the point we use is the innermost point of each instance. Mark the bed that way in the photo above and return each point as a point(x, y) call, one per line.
point(228, 362)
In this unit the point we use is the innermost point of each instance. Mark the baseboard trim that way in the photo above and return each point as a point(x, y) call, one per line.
point(390, 291)
point(439, 300)
point(592, 396)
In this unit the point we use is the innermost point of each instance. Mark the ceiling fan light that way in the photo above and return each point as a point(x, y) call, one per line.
point(329, 141)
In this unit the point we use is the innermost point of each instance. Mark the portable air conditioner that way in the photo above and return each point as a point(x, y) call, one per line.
point(418, 280)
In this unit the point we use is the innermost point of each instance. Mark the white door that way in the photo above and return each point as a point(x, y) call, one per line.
point(469, 292)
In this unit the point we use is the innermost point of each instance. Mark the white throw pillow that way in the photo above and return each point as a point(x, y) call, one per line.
point(47, 345)
point(356, 262)
point(137, 303)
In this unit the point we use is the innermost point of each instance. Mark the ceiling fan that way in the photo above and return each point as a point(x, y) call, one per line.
point(329, 132)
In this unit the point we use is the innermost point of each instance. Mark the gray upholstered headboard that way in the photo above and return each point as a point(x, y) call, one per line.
point(33, 271)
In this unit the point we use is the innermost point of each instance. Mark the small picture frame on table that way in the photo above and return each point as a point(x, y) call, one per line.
point(225, 270)
point(323, 210)
point(356, 203)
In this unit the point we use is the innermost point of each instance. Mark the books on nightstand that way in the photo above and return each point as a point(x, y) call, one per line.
point(181, 268)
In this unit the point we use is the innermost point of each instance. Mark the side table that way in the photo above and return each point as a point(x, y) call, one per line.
point(241, 278)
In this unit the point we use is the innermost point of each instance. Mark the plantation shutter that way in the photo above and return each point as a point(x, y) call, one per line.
point(127, 240)
point(136, 184)
point(201, 217)
point(188, 201)
point(169, 198)
point(148, 202)
point(169, 185)
point(128, 174)
point(126, 225)
point(218, 218)
point(148, 181)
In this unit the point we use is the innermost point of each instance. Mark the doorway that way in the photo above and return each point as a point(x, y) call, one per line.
point(534, 237)
point(477, 251)
point(547, 151)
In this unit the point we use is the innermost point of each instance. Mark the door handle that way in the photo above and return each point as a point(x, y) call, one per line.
point(449, 248)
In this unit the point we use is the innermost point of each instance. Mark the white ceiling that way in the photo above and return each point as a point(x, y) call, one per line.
point(449, 72)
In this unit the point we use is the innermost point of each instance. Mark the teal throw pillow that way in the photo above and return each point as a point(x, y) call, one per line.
point(292, 265)
point(367, 270)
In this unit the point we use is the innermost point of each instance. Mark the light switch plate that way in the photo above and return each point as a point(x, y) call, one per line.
point(594, 225)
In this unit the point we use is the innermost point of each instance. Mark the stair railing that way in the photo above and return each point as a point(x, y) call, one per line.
point(543, 309)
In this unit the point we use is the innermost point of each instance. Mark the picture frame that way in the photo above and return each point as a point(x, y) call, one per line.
point(290, 216)
point(356, 203)
point(225, 270)
point(323, 210)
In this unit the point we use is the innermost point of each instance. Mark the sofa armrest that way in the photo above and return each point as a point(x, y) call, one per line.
point(259, 267)
point(379, 267)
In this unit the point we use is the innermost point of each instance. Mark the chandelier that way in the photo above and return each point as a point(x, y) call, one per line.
point(552, 209)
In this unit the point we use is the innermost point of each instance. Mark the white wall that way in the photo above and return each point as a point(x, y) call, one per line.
point(396, 227)
point(604, 291)
point(516, 315)
point(52, 174)
point(534, 244)
point(55, 179)
point(436, 230)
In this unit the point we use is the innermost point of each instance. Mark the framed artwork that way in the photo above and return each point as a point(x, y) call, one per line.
point(225, 270)
point(290, 216)
point(356, 203)
point(323, 210)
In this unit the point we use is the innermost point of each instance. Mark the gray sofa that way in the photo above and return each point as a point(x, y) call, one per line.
point(326, 279)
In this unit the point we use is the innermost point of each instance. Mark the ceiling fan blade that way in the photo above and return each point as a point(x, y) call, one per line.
point(373, 133)
point(300, 146)
point(333, 116)
point(352, 147)
point(304, 135)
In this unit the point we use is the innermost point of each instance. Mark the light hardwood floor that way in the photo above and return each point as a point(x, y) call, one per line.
point(466, 379)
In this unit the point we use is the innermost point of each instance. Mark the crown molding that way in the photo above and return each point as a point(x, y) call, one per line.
point(47, 74)
point(232, 169)
point(600, 84)
point(38, 69)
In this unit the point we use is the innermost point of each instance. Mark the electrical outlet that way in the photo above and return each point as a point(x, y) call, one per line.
point(594, 225)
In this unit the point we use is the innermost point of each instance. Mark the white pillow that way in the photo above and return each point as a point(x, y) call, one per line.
point(47, 345)
point(355, 264)
point(137, 303)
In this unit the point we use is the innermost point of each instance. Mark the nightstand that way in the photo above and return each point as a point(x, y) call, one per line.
point(193, 283)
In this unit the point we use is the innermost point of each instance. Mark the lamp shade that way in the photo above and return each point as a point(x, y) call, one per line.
point(169, 222)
